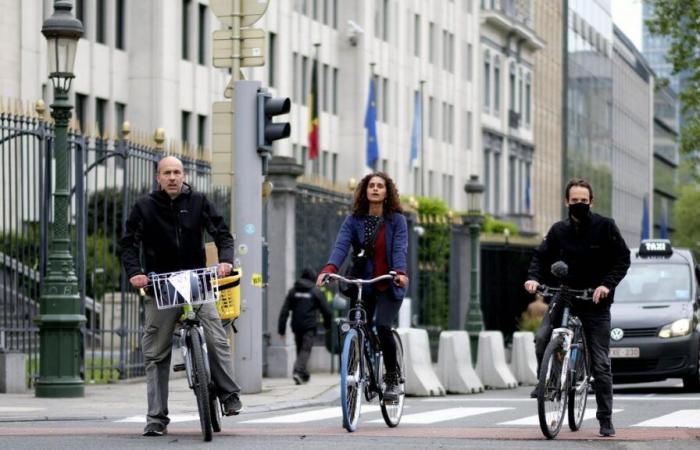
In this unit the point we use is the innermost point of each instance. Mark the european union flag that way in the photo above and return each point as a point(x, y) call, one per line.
point(371, 125)
point(416, 132)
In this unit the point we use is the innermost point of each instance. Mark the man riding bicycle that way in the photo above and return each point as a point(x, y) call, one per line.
point(598, 258)
point(169, 224)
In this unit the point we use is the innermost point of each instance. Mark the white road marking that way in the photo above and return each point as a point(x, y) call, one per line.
point(685, 418)
point(313, 415)
point(442, 415)
point(534, 420)
point(12, 409)
point(174, 418)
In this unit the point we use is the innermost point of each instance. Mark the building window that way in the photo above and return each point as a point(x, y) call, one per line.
point(120, 113)
point(80, 109)
point(324, 164)
point(202, 39)
point(80, 14)
point(101, 116)
point(304, 79)
point(185, 35)
point(314, 9)
point(496, 84)
point(431, 43)
point(295, 77)
point(271, 59)
point(100, 24)
point(520, 91)
point(335, 14)
point(416, 35)
point(431, 117)
point(469, 130)
point(496, 182)
point(512, 184)
point(325, 89)
point(385, 100)
point(120, 24)
point(487, 180)
point(326, 12)
point(335, 91)
point(201, 131)
point(487, 80)
point(511, 86)
point(185, 127)
point(334, 168)
point(528, 99)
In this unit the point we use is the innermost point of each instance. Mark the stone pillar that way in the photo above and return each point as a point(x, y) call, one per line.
point(460, 267)
point(281, 238)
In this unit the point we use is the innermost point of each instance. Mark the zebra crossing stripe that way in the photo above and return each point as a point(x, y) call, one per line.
point(443, 415)
point(535, 420)
point(174, 418)
point(311, 416)
point(685, 418)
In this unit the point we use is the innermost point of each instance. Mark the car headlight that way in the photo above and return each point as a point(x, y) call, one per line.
point(680, 327)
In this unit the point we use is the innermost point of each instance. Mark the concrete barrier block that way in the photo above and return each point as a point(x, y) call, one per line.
point(523, 362)
point(420, 376)
point(491, 364)
point(454, 368)
point(13, 375)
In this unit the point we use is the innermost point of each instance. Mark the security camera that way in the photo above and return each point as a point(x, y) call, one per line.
point(353, 32)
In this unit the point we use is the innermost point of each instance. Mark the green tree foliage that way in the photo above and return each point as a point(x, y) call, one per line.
point(679, 20)
point(686, 217)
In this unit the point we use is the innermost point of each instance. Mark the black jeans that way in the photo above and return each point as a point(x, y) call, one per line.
point(305, 342)
point(382, 309)
point(596, 328)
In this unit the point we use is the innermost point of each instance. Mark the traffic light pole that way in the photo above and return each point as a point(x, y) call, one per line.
point(248, 226)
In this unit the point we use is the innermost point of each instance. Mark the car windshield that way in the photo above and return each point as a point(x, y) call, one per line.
point(654, 283)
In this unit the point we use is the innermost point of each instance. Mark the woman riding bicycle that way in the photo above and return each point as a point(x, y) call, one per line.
point(377, 228)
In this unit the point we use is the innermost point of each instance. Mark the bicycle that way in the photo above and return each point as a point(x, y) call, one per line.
point(565, 370)
point(186, 289)
point(362, 363)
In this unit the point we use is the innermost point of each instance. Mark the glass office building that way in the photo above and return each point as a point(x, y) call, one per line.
point(588, 137)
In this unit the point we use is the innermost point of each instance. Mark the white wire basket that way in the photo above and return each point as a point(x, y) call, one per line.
point(193, 287)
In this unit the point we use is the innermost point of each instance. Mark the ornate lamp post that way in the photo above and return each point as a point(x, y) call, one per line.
point(474, 322)
point(60, 318)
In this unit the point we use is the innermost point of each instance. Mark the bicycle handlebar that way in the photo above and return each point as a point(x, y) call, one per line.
point(580, 294)
point(390, 276)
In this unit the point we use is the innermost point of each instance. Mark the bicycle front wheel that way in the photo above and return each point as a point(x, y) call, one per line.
point(350, 380)
point(551, 391)
point(200, 383)
point(392, 411)
point(578, 392)
point(215, 409)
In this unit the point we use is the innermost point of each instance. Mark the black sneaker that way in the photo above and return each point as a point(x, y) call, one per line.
point(391, 388)
point(606, 428)
point(297, 378)
point(533, 394)
point(232, 405)
point(155, 429)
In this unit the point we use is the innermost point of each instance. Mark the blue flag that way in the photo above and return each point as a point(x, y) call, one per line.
point(663, 226)
point(528, 194)
point(371, 125)
point(645, 219)
point(417, 130)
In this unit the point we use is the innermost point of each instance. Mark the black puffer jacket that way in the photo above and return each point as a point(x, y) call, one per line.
point(171, 232)
point(304, 300)
point(594, 250)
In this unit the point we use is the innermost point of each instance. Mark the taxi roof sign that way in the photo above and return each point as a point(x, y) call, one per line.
point(655, 247)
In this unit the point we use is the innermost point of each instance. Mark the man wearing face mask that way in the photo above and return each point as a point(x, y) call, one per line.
point(598, 258)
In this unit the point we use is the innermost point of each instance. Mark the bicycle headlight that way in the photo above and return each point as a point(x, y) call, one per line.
point(680, 327)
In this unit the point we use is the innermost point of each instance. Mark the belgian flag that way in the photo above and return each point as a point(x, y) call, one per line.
point(313, 113)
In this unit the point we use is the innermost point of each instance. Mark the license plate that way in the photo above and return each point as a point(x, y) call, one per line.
point(624, 352)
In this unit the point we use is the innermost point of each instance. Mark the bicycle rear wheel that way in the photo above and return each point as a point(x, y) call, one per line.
point(201, 384)
point(392, 411)
point(551, 392)
point(350, 380)
point(578, 392)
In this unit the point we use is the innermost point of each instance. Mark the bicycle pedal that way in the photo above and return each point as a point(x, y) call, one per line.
point(179, 367)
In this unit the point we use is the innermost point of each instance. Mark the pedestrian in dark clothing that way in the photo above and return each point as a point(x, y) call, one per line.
point(304, 300)
point(598, 258)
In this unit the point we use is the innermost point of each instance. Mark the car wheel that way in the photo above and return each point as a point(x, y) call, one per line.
point(691, 383)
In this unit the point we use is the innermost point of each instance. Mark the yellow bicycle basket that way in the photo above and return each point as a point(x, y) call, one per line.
point(229, 302)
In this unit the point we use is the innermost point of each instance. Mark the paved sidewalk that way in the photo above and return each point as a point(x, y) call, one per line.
point(127, 399)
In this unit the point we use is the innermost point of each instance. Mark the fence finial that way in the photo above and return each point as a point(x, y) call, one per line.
point(40, 108)
point(126, 130)
point(159, 138)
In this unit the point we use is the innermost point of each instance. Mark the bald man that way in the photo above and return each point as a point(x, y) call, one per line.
point(168, 226)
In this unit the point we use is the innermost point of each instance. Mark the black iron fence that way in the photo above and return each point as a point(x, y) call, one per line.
point(107, 176)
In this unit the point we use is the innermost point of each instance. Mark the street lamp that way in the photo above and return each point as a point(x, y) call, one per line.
point(60, 315)
point(474, 322)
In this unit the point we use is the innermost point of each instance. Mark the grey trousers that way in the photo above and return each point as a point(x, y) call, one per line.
point(304, 342)
point(157, 351)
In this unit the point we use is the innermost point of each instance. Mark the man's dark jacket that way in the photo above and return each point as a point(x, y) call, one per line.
point(172, 233)
point(593, 249)
point(304, 300)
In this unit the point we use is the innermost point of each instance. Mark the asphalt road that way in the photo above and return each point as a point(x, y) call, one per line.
point(652, 416)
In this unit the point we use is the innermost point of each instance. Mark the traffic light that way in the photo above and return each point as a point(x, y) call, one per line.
point(269, 131)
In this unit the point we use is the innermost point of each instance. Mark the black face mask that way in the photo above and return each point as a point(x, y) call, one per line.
point(579, 211)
